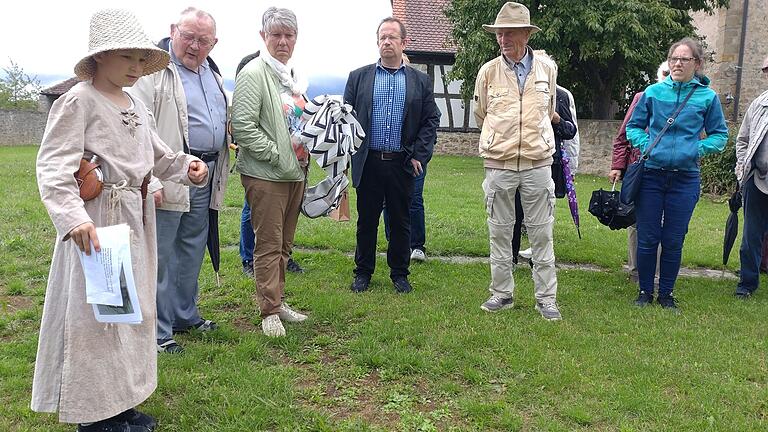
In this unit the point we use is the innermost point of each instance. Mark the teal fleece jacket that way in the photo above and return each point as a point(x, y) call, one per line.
point(681, 147)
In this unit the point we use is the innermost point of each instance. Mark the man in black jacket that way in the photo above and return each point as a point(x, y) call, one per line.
point(396, 107)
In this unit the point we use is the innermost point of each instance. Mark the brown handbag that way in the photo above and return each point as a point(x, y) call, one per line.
point(89, 178)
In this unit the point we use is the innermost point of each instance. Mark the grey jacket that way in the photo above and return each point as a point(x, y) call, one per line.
point(751, 134)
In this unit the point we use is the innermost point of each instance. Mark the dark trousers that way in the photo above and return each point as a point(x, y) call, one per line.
point(664, 207)
point(755, 229)
point(383, 180)
point(418, 225)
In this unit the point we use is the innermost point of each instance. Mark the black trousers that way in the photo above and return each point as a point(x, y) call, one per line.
point(384, 180)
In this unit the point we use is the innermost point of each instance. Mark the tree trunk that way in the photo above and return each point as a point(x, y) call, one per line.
point(601, 104)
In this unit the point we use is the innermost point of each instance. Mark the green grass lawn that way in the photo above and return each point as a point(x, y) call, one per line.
point(431, 360)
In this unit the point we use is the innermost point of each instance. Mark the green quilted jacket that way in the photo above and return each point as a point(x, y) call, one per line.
point(259, 127)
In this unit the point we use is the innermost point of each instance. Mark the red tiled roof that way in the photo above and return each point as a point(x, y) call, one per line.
point(427, 25)
point(60, 88)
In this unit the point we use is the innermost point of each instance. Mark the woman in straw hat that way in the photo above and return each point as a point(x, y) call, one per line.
point(94, 373)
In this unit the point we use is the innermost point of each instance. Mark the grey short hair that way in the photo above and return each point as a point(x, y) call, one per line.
point(279, 17)
point(197, 13)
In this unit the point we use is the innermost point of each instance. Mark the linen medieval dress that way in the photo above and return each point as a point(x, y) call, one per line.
point(87, 370)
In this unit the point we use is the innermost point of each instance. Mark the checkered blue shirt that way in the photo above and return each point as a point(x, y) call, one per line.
point(388, 109)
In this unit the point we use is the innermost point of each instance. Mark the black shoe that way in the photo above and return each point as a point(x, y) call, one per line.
point(668, 302)
point(360, 284)
point(110, 425)
point(743, 294)
point(137, 418)
point(248, 268)
point(644, 299)
point(293, 266)
point(402, 286)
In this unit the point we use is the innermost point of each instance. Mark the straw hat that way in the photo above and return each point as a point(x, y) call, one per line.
point(113, 29)
point(512, 15)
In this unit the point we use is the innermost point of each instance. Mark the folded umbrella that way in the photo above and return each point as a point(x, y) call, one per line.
point(570, 188)
point(214, 249)
point(731, 224)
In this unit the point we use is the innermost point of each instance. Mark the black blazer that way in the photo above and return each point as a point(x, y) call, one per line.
point(420, 119)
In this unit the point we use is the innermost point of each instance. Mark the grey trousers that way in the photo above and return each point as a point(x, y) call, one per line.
point(537, 193)
point(181, 240)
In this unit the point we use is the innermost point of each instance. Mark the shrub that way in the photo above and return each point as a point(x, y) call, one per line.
point(717, 176)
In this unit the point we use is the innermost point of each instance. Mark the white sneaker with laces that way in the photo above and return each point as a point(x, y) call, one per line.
point(289, 315)
point(549, 310)
point(418, 255)
point(272, 327)
point(525, 253)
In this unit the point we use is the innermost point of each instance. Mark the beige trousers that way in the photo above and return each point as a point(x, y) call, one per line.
point(537, 193)
point(274, 214)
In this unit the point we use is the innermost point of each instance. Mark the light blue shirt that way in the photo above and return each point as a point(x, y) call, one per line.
point(521, 68)
point(388, 109)
point(206, 107)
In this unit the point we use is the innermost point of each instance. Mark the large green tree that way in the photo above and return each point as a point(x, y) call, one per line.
point(605, 49)
point(18, 91)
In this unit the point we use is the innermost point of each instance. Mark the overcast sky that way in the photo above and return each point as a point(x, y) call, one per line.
point(335, 36)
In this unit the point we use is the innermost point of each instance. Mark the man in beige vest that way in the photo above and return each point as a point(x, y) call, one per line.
point(514, 106)
point(190, 107)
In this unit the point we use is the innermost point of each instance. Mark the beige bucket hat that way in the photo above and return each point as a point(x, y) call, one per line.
point(512, 15)
point(113, 29)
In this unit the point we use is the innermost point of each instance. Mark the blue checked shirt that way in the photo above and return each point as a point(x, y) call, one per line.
point(388, 109)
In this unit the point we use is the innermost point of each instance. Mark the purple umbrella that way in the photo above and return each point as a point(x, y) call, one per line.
point(571, 191)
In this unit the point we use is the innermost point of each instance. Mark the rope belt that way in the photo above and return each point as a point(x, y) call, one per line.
point(116, 194)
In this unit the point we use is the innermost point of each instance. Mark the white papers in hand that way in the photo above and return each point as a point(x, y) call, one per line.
point(109, 282)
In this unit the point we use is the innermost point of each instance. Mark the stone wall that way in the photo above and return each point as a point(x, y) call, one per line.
point(21, 127)
point(596, 137)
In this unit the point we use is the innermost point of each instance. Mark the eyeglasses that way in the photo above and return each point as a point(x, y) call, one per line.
point(290, 37)
point(191, 39)
point(393, 38)
point(682, 60)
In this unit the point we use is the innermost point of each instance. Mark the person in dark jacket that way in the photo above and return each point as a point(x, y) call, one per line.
point(396, 107)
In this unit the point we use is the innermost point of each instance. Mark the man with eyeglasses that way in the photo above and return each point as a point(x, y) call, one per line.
point(190, 109)
point(396, 107)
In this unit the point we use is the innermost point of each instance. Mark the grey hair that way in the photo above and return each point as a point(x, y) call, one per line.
point(197, 13)
point(279, 17)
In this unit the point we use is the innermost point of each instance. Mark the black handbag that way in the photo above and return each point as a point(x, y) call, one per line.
point(608, 209)
point(633, 177)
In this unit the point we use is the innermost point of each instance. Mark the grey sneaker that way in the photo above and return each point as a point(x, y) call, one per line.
point(548, 310)
point(496, 303)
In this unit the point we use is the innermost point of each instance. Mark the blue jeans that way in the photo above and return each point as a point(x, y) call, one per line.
point(418, 228)
point(247, 237)
point(755, 228)
point(664, 207)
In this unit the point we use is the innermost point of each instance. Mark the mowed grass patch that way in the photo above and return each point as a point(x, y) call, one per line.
point(430, 360)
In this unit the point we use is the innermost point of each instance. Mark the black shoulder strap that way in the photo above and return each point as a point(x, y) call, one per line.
point(670, 121)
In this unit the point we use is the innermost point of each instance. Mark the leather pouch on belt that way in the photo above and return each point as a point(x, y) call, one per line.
point(89, 178)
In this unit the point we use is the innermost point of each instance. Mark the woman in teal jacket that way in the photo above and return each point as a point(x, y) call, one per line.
point(671, 181)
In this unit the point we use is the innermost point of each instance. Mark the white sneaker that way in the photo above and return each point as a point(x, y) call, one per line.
point(289, 315)
point(272, 327)
point(418, 255)
point(525, 253)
